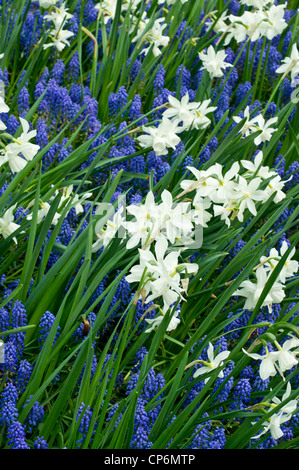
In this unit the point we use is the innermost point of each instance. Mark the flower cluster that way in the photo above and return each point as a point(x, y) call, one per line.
point(59, 16)
point(178, 117)
point(252, 291)
point(261, 21)
point(234, 192)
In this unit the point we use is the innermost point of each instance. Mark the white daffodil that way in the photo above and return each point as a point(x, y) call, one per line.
point(3, 109)
point(226, 183)
point(204, 185)
point(274, 22)
point(249, 123)
point(225, 211)
point(14, 152)
point(15, 161)
point(283, 415)
point(42, 213)
point(190, 115)
point(271, 261)
point(264, 127)
point(162, 274)
point(200, 215)
point(77, 201)
point(7, 224)
point(218, 24)
point(162, 137)
point(267, 366)
point(253, 290)
point(132, 4)
point(246, 25)
point(154, 322)
point(212, 363)
point(275, 186)
point(176, 221)
point(145, 223)
point(247, 194)
point(105, 235)
point(234, 30)
point(47, 3)
point(290, 64)
point(22, 144)
point(60, 39)
point(166, 271)
point(284, 356)
point(170, 2)
point(200, 119)
point(290, 265)
point(259, 4)
point(214, 62)
point(59, 16)
point(154, 35)
point(256, 168)
point(107, 9)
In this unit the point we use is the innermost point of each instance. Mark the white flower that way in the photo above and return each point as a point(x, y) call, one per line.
point(290, 265)
point(3, 106)
point(247, 193)
point(154, 36)
point(200, 215)
point(145, 222)
point(212, 363)
point(263, 126)
point(225, 211)
point(154, 322)
point(105, 235)
point(220, 25)
point(16, 162)
point(59, 16)
point(255, 124)
point(108, 9)
point(190, 115)
point(290, 64)
point(256, 3)
point(47, 3)
point(176, 218)
point(162, 273)
point(256, 168)
point(3, 109)
point(42, 212)
point(275, 186)
point(284, 356)
point(214, 62)
point(21, 145)
point(283, 415)
point(274, 22)
point(170, 2)
point(226, 183)
point(162, 137)
point(59, 39)
point(236, 30)
point(7, 224)
point(132, 4)
point(267, 366)
point(204, 185)
point(245, 25)
point(67, 193)
point(252, 291)
point(247, 126)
